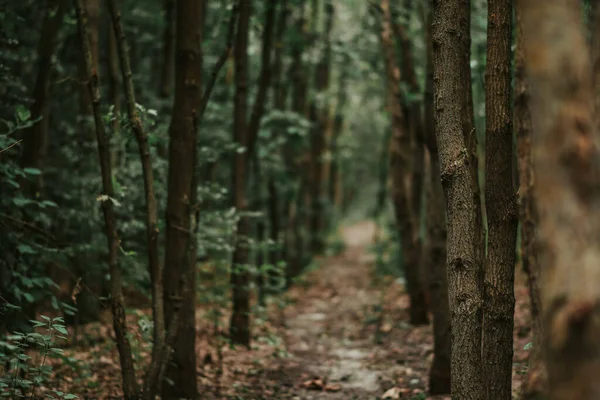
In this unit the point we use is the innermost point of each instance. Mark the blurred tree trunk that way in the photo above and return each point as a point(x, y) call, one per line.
point(240, 275)
point(115, 95)
point(92, 8)
point(400, 163)
point(566, 164)
point(320, 118)
point(36, 138)
point(535, 384)
point(439, 373)
point(130, 386)
point(338, 126)
point(179, 268)
point(456, 140)
point(294, 203)
point(414, 124)
point(500, 200)
point(595, 52)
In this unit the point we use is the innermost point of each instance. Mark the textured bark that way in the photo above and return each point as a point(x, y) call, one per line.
point(36, 138)
point(455, 139)
point(566, 161)
point(320, 118)
point(400, 163)
point(155, 269)
point(130, 387)
point(180, 200)
point(92, 9)
point(500, 199)
point(535, 384)
point(240, 276)
point(439, 373)
point(595, 51)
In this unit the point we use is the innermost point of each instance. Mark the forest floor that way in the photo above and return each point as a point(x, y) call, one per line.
point(341, 334)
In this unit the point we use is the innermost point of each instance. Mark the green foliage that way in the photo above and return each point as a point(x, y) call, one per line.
point(21, 376)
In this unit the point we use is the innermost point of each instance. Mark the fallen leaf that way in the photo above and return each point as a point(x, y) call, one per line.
point(393, 393)
point(333, 387)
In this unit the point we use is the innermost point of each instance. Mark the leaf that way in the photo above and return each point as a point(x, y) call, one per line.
point(61, 329)
point(26, 249)
point(393, 393)
point(528, 346)
point(22, 113)
point(32, 171)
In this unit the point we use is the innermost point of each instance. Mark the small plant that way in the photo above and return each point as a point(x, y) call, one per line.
point(19, 378)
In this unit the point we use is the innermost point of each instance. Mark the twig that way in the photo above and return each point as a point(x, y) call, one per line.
point(12, 145)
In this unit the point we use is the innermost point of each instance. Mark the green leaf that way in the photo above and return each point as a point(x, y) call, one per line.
point(32, 171)
point(528, 346)
point(26, 249)
point(22, 113)
point(61, 329)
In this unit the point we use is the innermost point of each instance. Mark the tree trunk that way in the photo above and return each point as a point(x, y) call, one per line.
point(92, 8)
point(130, 387)
point(535, 384)
point(566, 163)
point(400, 162)
point(36, 138)
point(455, 139)
point(240, 275)
point(318, 137)
point(180, 200)
point(115, 95)
point(500, 200)
point(439, 373)
point(154, 267)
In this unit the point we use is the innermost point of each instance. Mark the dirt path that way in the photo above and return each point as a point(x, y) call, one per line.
point(332, 326)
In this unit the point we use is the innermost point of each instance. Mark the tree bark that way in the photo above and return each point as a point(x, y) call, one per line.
point(455, 139)
point(92, 8)
point(130, 387)
point(500, 200)
point(180, 200)
point(240, 276)
point(535, 384)
point(566, 163)
point(36, 138)
point(154, 267)
point(400, 162)
point(439, 373)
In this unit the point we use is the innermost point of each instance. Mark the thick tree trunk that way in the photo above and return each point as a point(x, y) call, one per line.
point(240, 275)
point(180, 200)
point(130, 387)
point(36, 138)
point(455, 139)
point(500, 199)
point(400, 163)
point(439, 373)
point(566, 163)
point(535, 384)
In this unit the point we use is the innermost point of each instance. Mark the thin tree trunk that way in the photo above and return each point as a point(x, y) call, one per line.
point(455, 139)
point(535, 384)
point(154, 267)
point(92, 8)
point(318, 137)
point(500, 199)
point(130, 387)
point(240, 276)
point(180, 200)
point(115, 95)
point(439, 373)
point(400, 162)
point(36, 138)
point(566, 162)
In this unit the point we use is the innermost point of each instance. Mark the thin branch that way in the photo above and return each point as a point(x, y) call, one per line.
point(12, 145)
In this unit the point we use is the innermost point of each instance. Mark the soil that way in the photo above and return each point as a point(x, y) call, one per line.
point(341, 334)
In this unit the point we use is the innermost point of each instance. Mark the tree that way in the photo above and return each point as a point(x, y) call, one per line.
point(456, 138)
point(501, 206)
point(400, 162)
point(240, 275)
point(536, 382)
point(566, 162)
point(439, 373)
point(179, 269)
point(130, 387)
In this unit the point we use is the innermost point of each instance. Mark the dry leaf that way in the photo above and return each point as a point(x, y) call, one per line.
point(333, 387)
point(393, 393)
